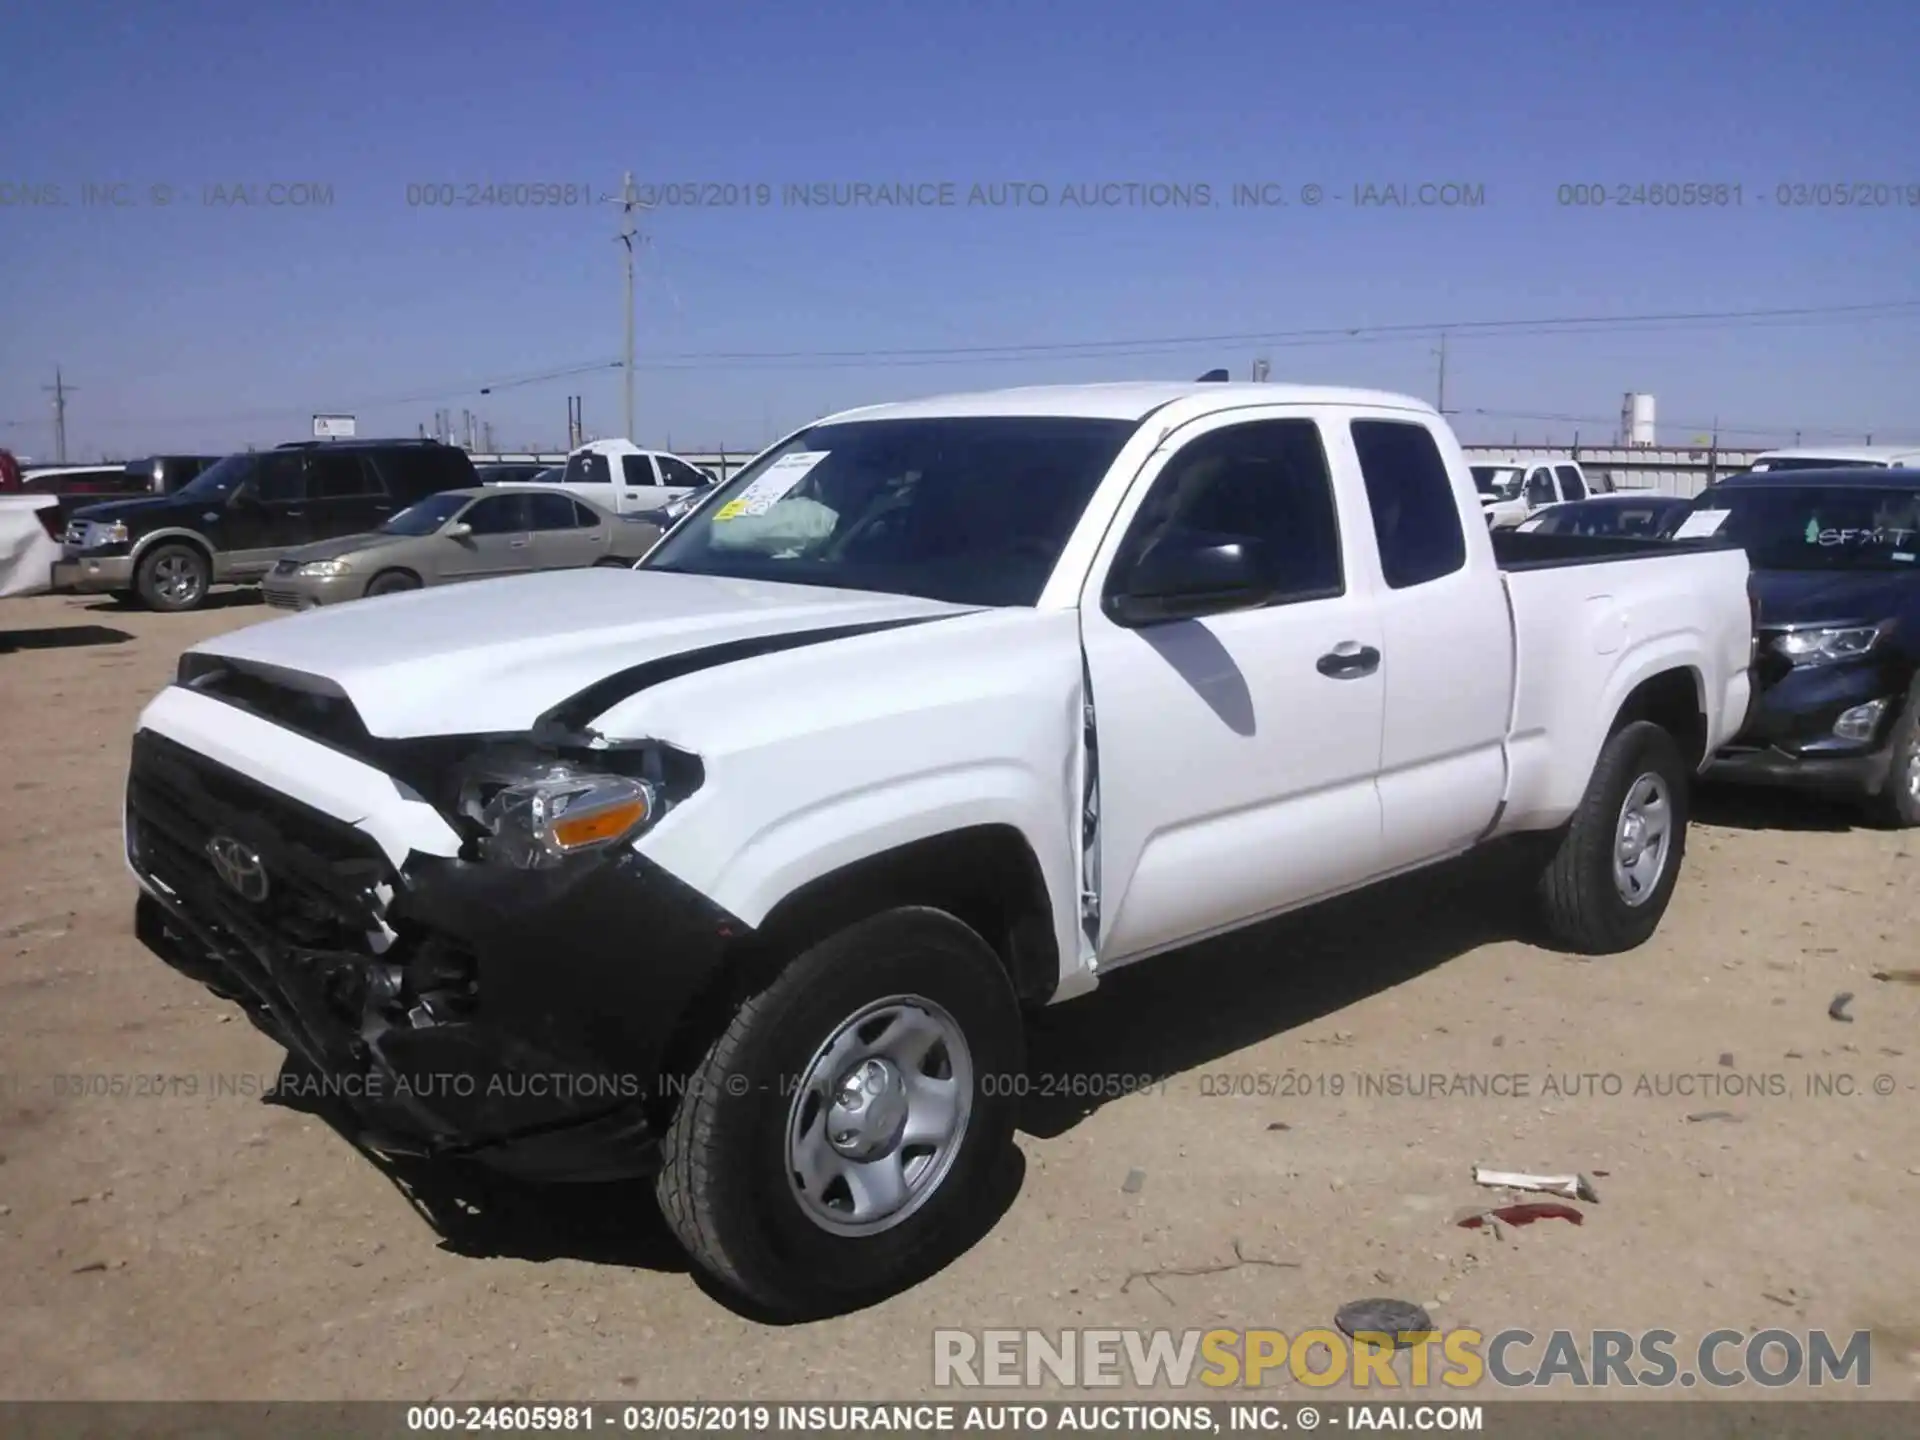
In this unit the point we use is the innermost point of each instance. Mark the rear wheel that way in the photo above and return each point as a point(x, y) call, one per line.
point(839, 1139)
point(393, 582)
point(1612, 875)
point(172, 577)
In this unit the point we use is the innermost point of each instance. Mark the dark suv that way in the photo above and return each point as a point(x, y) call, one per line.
point(230, 522)
point(1836, 591)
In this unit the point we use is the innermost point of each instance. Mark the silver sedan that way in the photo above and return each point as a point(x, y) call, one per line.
point(475, 534)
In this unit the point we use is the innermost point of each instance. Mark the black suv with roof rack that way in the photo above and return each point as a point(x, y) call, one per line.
point(230, 522)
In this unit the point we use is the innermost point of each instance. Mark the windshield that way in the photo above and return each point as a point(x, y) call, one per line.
point(1815, 527)
point(222, 477)
point(972, 510)
point(1497, 482)
point(426, 517)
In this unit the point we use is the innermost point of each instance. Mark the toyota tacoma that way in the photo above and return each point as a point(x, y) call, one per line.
point(742, 867)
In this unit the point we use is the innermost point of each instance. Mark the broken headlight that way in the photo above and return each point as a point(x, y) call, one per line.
point(534, 811)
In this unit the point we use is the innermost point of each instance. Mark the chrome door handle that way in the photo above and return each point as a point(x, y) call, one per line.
point(518, 544)
point(1348, 661)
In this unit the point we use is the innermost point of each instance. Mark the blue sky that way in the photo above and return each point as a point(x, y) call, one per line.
point(213, 325)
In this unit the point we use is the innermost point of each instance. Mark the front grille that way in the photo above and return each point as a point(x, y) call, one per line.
point(76, 535)
point(322, 874)
point(281, 599)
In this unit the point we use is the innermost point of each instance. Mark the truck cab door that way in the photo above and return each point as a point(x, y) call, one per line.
point(639, 484)
point(1448, 642)
point(1237, 737)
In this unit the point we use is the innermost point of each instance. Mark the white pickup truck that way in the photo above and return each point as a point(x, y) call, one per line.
point(741, 866)
point(1510, 492)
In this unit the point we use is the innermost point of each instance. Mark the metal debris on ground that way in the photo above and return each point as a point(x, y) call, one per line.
point(1135, 1179)
point(1279, 1125)
point(1838, 1009)
point(1727, 1115)
point(1395, 1320)
point(1898, 977)
point(1574, 1187)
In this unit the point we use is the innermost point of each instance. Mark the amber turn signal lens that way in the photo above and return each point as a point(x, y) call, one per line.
point(603, 823)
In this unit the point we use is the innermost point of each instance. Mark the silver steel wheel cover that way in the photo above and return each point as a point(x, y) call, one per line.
point(1912, 771)
point(878, 1116)
point(1642, 839)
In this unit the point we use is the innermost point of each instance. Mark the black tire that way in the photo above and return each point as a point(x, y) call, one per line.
point(727, 1186)
point(392, 582)
point(173, 577)
point(1585, 908)
point(1897, 806)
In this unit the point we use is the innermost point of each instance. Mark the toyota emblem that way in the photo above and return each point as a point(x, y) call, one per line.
point(238, 867)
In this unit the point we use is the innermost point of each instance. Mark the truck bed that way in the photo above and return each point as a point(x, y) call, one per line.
point(1530, 550)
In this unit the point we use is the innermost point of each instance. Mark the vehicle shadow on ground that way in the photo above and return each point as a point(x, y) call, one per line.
point(1179, 1011)
point(1755, 807)
point(60, 637)
point(481, 1214)
point(216, 600)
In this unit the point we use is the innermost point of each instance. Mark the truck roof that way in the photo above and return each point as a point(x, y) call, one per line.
point(1856, 477)
point(1854, 454)
point(1126, 400)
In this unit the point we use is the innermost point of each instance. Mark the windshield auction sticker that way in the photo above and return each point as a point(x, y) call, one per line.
point(1701, 524)
point(775, 485)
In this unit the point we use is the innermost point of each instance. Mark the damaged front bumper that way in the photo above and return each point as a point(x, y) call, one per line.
point(448, 1006)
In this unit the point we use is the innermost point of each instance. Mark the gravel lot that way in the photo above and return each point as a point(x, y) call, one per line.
point(211, 1245)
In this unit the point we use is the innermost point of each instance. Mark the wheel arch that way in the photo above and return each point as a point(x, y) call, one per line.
point(985, 876)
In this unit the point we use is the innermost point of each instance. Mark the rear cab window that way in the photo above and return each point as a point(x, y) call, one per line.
point(1416, 516)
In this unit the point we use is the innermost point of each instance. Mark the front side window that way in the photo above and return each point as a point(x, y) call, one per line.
point(282, 478)
point(1540, 487)
point(974, 509)
point(499, 515)
point(1265, 485)
point(1570, 485)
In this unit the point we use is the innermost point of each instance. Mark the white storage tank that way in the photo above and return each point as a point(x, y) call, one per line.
point(1636, 419)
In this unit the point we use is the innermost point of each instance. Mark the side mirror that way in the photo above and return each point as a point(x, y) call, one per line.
point(459, 530)
point(1183, 578)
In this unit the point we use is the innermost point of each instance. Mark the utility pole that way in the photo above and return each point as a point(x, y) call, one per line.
point(59, 392)
point(1442, 405)
point(486, 434)
point(629, 202)
point(1261, 369)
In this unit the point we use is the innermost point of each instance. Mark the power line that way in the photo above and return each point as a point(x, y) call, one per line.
point(1140, 348)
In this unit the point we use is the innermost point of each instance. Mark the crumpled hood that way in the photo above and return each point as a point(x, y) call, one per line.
point(493, 656)
point(1799, 597)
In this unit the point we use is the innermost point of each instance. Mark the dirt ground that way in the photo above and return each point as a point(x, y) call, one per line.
point(202, 1245)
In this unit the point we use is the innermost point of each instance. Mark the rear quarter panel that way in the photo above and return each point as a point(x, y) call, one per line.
point(1587, 635)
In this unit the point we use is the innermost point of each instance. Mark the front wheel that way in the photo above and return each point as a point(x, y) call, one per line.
point(1614, 870)
point(172, 577)
point(839, 1139)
